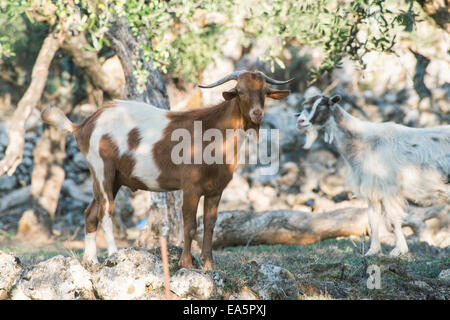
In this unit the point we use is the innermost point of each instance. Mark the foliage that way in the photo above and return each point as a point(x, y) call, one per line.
point(182, 37)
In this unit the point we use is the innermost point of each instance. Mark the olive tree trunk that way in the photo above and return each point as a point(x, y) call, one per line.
point(164, 218)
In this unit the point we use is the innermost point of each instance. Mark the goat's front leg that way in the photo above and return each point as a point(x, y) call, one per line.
point(374, 222)
point(190, 203)
point(209, 221)
point(394, 214)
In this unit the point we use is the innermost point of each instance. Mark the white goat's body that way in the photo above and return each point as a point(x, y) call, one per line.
point(387, 159)
point(389, 163)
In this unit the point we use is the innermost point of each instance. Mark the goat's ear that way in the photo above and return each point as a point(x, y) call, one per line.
point(230, 94)
point(335, 99)
point(277, 94)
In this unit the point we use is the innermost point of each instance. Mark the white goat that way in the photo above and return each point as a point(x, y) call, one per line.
point(388, 163)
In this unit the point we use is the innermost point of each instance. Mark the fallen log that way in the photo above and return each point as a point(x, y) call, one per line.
point(240, 227)
point(284, 226)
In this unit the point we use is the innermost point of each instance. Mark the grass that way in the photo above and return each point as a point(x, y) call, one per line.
point(330, 269)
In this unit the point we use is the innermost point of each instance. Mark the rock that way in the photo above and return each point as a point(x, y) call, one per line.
point(262, 197)
point(27, 161)
point(317, 165)
point(444, 275)
point(274, 283)
point(174, 255)
point(7, 183)
point(10, 269)
point(244, 294)
point(70, 188)
point(80, 162)
point(128, 274)
point(428, 119)
point(4, 140)
point(294, 100)
point(192, 283)
point(326, 271)
point(235, 194)
point(59, 278)
point(311, 92)
point(289, 175)
point(291, 140)
point(422, 285)
point(332, 184)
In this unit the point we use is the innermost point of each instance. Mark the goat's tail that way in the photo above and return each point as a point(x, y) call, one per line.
point(57, 118)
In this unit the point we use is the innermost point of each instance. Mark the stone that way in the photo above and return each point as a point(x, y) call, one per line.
point(326, 271)
point(444, 275)
point(128, 274)
point(80, 162)
point(187, 283)
point(174, 255)
point(59, 278)
point(244, 294)
point(10, 270)
point(311, 92)
point(294, 100)
point(262, 197)
point(7, 183)
point(274, 283)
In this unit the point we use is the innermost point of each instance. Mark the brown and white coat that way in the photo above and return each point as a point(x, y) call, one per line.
point(128, 143)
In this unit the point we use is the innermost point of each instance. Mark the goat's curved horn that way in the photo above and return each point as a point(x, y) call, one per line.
point(231, 76)
point(273, 81)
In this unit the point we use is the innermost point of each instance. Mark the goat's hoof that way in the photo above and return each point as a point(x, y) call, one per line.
point(373, 252)
point(185, 263)
point(91, 265)
point(398, 252)
point(209, 265)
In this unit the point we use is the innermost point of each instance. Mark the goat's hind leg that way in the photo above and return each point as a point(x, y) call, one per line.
point(91, 224)
point(110, 190)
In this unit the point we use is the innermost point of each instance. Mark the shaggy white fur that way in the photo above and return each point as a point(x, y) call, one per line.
point(388, 163)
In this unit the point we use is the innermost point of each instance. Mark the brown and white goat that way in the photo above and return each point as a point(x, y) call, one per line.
point(129, 143)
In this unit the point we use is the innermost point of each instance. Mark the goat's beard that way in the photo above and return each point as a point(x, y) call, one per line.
point(311, 135)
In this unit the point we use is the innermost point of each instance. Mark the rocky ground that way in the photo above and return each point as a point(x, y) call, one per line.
point(332, 269)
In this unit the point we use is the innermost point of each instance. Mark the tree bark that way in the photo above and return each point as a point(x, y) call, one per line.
point(164, 217)
point(88, 61)
point(234, 228)
point(16, 130)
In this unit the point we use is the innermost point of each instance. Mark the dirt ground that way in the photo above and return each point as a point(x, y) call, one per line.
point(330, 269)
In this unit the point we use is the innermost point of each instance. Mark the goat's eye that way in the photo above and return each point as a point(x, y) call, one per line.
point(298, 114)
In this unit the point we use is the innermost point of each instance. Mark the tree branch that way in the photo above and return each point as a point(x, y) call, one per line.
point(16, 130)
point(89, 63)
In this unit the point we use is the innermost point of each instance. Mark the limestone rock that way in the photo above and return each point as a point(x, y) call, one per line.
point(188, 283)
point(128, 274)
point(10, 269)
point(444, 275)
point(59, 278)
point(274, 283)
